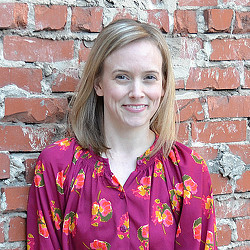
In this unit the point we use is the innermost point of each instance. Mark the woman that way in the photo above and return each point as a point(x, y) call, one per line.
point(122, 181)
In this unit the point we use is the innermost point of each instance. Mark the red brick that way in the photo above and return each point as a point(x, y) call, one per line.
point(26, 138)
point(237, 2)
point(89, 19)
point(13, 15)
point(159, 18)
point(230, 49)
point(243, 151)
point(214, 132)
point(245, 247)
point(122, 13)
point(1, 232)
point(198, 2)
point(220, 184)
point(179, 84)
point(83, 53)
point(228, 106)
point(215, 78)
point(35, 110)
point(24, 78)
point(4, 166)
point(224, 235)
point(218, 20)
point(35, 49)
point(185, 21)
point(242, 22)
point(190, 47)
point(52, 17)
point(183, 132)
point(16, 198)
point(29, 169)
point(232, 208)
point(190, 109)
point(243, 184)
point(208, 153)
point(243, 229)
point(17, 230)
point(247, 78)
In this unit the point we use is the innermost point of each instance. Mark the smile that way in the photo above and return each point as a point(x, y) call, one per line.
point(136, 106)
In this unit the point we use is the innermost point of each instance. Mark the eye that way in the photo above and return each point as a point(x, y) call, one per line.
point(122, 77)
point(150, 77)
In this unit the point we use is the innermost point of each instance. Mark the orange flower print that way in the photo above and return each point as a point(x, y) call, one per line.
point(86, 154)
point(69, 223)
point(116, 183)
point(197, 229)
point(63, 144)
point(38, 179)
point(42, 227)
point(60, 178)
point(101, 212)
point(77, 154)
point(100, 245)
point(162, 214)
point(56, 215)
point(143, 236)
point(190, 187)
point(98, 169)
point(143, 190)
point(176, 196)
point(30, 242)
point(198, 159)
point(209, 241)
point(174, 156)
point(207, 205)
point(123, 228)
point(79, 181)
point(178, 231)
point(159, 170)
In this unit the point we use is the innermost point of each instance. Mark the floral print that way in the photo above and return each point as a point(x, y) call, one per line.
point(69, 223)
point(101, 212)
point(143, 189)
point(78, 203)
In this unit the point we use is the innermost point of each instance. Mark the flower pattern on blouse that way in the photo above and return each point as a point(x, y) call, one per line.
point(143, 236)
point(190, 188)
point(159, 170)
point(207, 205)
point(198, 159)
point(209, 241)
point(38, 179)
point(98, 169)
point(123, 228)
point(197, 229)
point(63, 144)
point(100, 245)
point(69, 223)
point(42, 227)
point(143, 188)
point(60, 178)
point(56, 214)
point(30, 242)
point(78, 182)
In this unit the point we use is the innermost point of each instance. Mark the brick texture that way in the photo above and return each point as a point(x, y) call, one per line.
point(243, 228)
point(185, 21)
point(159, 18)
point(242, 22)
point(17, 230)
point(224, 235)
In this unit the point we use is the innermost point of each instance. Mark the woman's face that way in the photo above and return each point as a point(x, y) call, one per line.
point(131, 85)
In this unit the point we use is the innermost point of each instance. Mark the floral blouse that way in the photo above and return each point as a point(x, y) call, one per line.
point(76, 202)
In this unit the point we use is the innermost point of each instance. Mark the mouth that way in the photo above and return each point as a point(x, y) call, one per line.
point(140, 106)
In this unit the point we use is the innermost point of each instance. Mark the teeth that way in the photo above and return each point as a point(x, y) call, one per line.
point(136, 107)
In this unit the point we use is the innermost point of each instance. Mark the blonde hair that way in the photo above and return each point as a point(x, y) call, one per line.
point(86, 116)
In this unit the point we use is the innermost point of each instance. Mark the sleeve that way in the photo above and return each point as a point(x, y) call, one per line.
point(197, 223)
point(46, 201)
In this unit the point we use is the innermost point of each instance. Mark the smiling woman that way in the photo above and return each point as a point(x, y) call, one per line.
point(122, 181)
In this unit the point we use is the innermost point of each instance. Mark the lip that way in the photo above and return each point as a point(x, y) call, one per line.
point(135, 108)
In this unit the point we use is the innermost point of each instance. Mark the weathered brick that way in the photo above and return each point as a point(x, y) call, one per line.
point(208, 153)
point(198, 2)
point(230, 49)
point(83, 53)
point(190, 47)
point(185, 21)
point(228, 106)
point(243, 229)
point(26, 138)
point(224, 235)
point(183, 132)
point(122, 13)
point(159, 18)
point(35, 110)
point(17, 230)
point(29, 169)
point(1, 232)
point(51, 17)
point(220, 184)
point(243, 151)
point(243, 184)
point(246, 246)
point(25, 78)
point(232, 208)
point(89, 19)
point(35, 49)
point(179, 84)
point(16, 198)
point(242, 22)
point(13, 15)
point(190, 109)
point(237, 2)
point(215, 78)
point(4, 166)
point(218, 20)
point(214, 132)
point(247, 78)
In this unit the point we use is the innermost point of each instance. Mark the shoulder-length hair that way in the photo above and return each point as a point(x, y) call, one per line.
point(86, 116)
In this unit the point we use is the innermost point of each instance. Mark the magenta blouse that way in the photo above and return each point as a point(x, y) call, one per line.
point(76, 202)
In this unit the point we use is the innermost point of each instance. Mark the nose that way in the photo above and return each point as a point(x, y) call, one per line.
point(136, 89)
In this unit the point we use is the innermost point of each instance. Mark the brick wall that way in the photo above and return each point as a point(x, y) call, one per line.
point(43, 48)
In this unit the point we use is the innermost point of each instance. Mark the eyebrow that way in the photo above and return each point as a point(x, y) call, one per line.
point(125, 71)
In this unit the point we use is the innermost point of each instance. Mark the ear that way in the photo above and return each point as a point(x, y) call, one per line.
point(98, 87)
